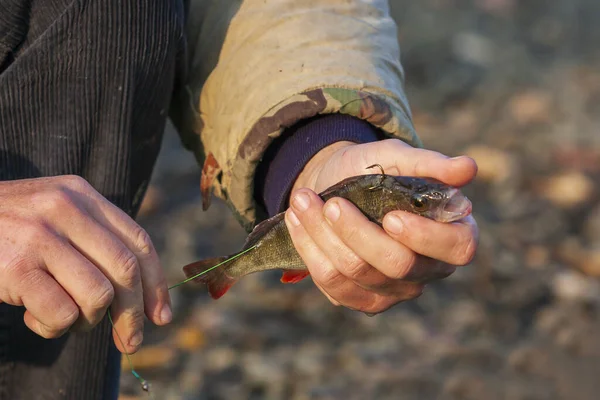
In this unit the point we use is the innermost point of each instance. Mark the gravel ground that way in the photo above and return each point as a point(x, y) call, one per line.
point(516, 85)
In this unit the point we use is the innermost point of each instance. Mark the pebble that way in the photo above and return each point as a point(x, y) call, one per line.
point(537, 257)
point(573, 286)
point(465, 386)
point(568, 189)
point(494, 165)
point(473, 48)
point(464, 316)
point(527, 359)
point(190, 338)
point(591, 228)
point(158, 356)
point(532, 106)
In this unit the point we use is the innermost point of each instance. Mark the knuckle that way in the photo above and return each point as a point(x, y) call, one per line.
point(74, 182)
point(66, 318)
point(400, 264)
point(30, 277)
point(103, 298)
point(143, 242)
point(355, 267)
point(128, 272)
point(331, 277)
point(19, 267)
point(136, 319)
point(377, 304)
point(47, 332)
point(415, 291)
point(58, 200)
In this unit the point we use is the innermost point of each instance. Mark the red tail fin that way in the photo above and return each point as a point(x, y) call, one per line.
point(217, 281)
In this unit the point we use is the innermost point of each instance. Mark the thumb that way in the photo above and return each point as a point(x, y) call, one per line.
point(410, 161)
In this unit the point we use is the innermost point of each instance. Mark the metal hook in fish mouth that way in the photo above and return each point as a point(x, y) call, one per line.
point(380, 179)
point(379, 166)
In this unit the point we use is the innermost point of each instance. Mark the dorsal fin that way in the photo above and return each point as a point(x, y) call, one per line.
point(261, 229)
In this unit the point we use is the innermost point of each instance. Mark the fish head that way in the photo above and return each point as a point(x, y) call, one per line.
point(430, 198)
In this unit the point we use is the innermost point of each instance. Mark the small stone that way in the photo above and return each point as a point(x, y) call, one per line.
point(573, 286)
point(549, 320)
point(464, 316)
point(537, 257)
point(570, 250)
point(531, 107)
point(150, 357)
point(567, 338)
point(586, 259)
point(526, 359)
point(190, 339)
point(473, 48)
point(591, 228)
point(220, 358)
point(590, 262)
point(568, 189)
point(494, 165)
point(464, 387)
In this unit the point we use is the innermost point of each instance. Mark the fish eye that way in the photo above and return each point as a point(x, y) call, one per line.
point(420, 202)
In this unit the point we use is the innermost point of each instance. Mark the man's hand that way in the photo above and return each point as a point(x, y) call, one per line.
point(353, 261)
point(67, 254)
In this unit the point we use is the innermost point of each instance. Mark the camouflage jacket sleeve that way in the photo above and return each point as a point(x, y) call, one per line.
point(256, 67)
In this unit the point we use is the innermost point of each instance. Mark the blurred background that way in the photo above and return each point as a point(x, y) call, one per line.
point(516, 85)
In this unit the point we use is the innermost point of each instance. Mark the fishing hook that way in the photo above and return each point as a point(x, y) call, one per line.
point(378, 185)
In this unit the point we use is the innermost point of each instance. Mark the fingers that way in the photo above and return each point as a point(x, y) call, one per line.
point(337, 270)
point(454, 243)
point(50, 310)
point(92, 292)
point(393, 259)
point(411, 161)
point(308, 207)
point(334, 285)
point(156, 297)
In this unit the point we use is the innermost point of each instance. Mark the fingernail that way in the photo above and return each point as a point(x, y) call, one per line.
point(136, 340)
point(166, 315)
point(301, 201)
point(394, 224)
point(332, 212)
point(293, 218)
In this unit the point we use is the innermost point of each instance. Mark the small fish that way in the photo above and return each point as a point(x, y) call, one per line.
point(374, 195)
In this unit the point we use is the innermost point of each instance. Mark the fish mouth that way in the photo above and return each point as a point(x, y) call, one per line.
point(457, 206)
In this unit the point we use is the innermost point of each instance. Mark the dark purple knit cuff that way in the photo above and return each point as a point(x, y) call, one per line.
point(288, 154)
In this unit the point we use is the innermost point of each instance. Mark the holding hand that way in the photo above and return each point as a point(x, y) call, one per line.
point(353, 261)
point(67, 254)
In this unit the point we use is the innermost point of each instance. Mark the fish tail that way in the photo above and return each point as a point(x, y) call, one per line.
point(217, 281)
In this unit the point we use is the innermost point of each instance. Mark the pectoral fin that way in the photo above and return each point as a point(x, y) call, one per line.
point(294, 276)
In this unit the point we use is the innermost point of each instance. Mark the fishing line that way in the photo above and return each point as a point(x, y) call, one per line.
point(144, 383)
